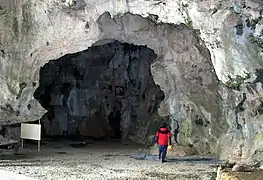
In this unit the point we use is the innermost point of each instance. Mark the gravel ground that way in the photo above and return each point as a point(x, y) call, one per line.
point(6, 175)
point(101, 161)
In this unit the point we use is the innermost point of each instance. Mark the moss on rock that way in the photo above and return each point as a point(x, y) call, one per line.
point(185, 131)
point(236, 82)
point(153, 17)
point(258, 137)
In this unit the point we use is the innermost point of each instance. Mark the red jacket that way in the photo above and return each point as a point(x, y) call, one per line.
point(163, 136)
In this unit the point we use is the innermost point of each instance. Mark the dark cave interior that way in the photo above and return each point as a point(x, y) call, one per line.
point(104, 92)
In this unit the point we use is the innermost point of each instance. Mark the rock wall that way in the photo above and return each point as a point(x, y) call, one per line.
point(183, 70)
point(188, 73)
point(243, 111)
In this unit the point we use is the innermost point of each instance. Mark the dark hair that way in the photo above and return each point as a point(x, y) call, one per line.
point(164, 125)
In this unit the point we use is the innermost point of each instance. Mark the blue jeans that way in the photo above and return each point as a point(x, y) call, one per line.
point(162, 152)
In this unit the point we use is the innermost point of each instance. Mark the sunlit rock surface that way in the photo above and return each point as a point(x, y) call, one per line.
point(189, 66)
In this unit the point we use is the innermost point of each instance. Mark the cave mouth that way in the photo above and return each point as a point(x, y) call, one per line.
point(102, 92)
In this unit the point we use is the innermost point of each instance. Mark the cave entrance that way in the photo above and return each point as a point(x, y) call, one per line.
point(100, 92)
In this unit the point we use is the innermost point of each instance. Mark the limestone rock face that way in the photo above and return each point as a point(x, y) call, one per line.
point(191, 66)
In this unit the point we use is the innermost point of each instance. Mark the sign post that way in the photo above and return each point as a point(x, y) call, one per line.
point(31, 131)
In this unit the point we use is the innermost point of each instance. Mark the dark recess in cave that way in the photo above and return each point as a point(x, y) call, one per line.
point(114, 120)
point(91, 93)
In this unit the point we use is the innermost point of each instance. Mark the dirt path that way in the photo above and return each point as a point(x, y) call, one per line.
point(103, 161)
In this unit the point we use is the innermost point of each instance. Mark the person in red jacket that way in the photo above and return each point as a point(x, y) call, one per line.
point(163, 139)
